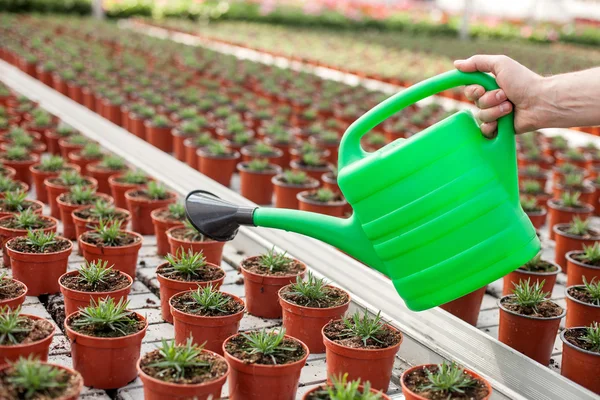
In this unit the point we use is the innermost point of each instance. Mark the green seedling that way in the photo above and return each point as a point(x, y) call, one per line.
point(526, 294)
point(574, 155)
point(258, 165)
point(16, 153)
point(274, 261)
point(23, 141)
point(82, 195)
point(324, 195)
point(573, 180)
point(449, 378)
point(102, 209)
point(15, 200)
point(113, 162)
point(177, 358)
point(263, 149)
point(529, 204)
point(26, 219)
point(568, 168)
point(186, 263)
point(591, 254)
point(531, 187)
point(157, 191)
point(91, 150)
point(39, 240)
point(78, 140)
point(592, 336)
point(192, 233)
point(578, 227)
point(160, 121)
point(570, 199)
point(266, 343)
point(8, 185)
point(312, 288)
point(341, 389)
point(71, 178)
point(94, 272)
point(209, 299)
point(33, 377)
point(295, 177)
point(537, 264)
point(177, 211)
point(52, 164)
point(593, 289)
point(11, 324)
point(108, 232)
point(365, 327)
point(105, 314)
point(136, 177)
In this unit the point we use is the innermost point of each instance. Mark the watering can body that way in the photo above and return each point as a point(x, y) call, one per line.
point(438, 213)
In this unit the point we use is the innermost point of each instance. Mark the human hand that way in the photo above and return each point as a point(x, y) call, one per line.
point(518, 90)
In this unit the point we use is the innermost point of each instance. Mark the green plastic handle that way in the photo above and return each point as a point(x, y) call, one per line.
point(350, 148)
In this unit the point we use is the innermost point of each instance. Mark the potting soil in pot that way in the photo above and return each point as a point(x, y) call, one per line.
point(237, 347)
point(33, 330)
point(135, 325)
point(332, 297)
point(11, 289)
point(69, 386)
point(191, 375)
point(111, 282)
point(418, 379)
point(206, 273)
point(22, 245)
point(186, 303)
point(253, 264)
point(337, 332)
point(546, 309)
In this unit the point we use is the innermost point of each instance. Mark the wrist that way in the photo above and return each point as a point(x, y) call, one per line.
point(542, 108)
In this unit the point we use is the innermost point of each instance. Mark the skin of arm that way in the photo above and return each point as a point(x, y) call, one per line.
point(560, 101)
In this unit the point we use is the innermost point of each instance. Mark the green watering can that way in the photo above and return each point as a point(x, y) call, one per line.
point(437, 213)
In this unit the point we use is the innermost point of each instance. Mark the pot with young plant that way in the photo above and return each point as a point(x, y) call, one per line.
point(564, 210)
point(536, 213)
point(23, 335)
point(308, 305)
point(322, 201)
point(12, 292)
point(31, 378)
point(466, 307)
point(264, 276)
point(533, 173)
point(88, 217)
point(534, 157)
point(572, 156)
point(16, 202)
point(529, 321)
point(443, 381)
point(143, 200)
point(27, 141)
point(48, 167)
point(265, 365)
point(287, 186)
point(106, 340)
point(584, 263)
point(103, 170)
point(363, 346)
point(312, 164)
point(255, 180)
point(20, 159)
point(535, 270)
point(279, 137)
point(163, 219)
point(262, 150)
point(90, 153)
point(191, 146)
point(108, 242)
point(572, 236)
point(330, 141)
point(182, 371)
point(187, 237)
point(38, 260)
point(63, 183)
point(574, 183)
point(340, 388)
point(79, 196)
point(7, 172)
point(93, 281)
point(533, 188)
point(583, 303)
point(54, 135)
point(581, 355)
point(72, 143)
point(560, 171)
point(158, 133)
point(121, 183)
point(554, 144)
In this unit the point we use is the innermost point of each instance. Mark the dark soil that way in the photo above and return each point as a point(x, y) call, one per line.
point(281, 179)
point(121, 179)
point(87, 215)
point(122, 240)
point(186, 303)
point(335, 331)
point(66, 197)
point(559, 204)
point(42, 223)
point(336, 199)
point(590, 234)
point(59, 182)
point(27, 204)
point(543, 266)
point(113, 281)
point(205, 274)
point(187, 234)
point(418, 378)
point(333, 297)
point(532, 210)
point(580, 293)
point(20, 244)
point(237, 347)
point(546, 309)
point(165, 215)
point(9, 392)
point(142, 194)
point(581, 258)
point(575, 337)
point(254, 265)
point(10, 289)
point(192, 375)
point(38, 329)
point(134, 325)
point(311, 166)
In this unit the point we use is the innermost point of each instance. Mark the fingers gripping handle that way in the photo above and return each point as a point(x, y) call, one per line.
point(350, 148)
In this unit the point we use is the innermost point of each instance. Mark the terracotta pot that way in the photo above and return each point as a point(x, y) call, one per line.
point(140, 209)
point(179, 148)
point(286, 194)
point(542, 179)
point(124, 258)
point(263, 382)
point(9, 172)
point(212, 250)
point(38, 349)
point(576, 270)
point(262, 291)
point(39, 271)
point(466, 307)
point(212, 331)
point(562, 215)
point(88, 98)
point(136, 125)
point(159, 137)
point(102, 175)
point(219, 169)
point(161, 226)
point(335, 209)
point(83, 162)
point(581, 366)
point(595, 200)
point(410, 395)
point(276, 158)
point(65, 147)
point(76, 299)
point(285, 150)
point(105, 363)
point(313, 172)
point(56, 190)
point(74, 92)
point(190, 156)
point(34, 203)
point(558, 176)
point(40, 176)
point(66, 214)
point(118, 189)
point(85, 225)
point(565, 243)
point(155, 389)
point(77, 383)
point(257, 186)
point(537, 218)
point(7, 233)
point(532, 336)
point(15, 301)
point(170, 287)
point(22, 187)
point(52, 141)
point(513, 278)
point(373, 365)
point(382, 396)
point(23, 173)
point(580, 313)
point(306, 323)
point(587, 193)
point(112, 112)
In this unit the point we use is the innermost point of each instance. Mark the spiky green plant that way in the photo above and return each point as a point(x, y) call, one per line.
point(94, 272)
point(574, 155)
point(568, 168)
point(312, 159)
point(8, 185)
point(177, 358)
point(108, 232)
point(106, 314)
point(527, 294)
point(52, 163)
point(102, 209)
point(263, 149)
point(26, 219)
point(364, 327)
point(31, 376)
point(570, 199)
point(157, 191)
point(274, 261)
point(537, 264)
point(573, 180)
point(529, 204)
point(578, 226)
point(531, 187)
point(342, 389)
point(71, 178)
point(177, 211)
point(295, 177)
point(324, 195)
point(203, 140)
point(593, 289)
point(449, 379)
point(591, 254)
point(15, 200)
point(258, 165)
point(376, 139)
point(592, 336)
point(39, 240)
point(209, 299)
point(532, 169)
point(64, 131)
point(11, 324)
point(16, 153)
point(91, 150)
point(78, 140)
point(266, 343)
point(22, 141)
point(192, 233)
point(113, 162)
point(187, 263)
point(134, 177)
point(558, 142)
point(82, 195)
point(312, 288)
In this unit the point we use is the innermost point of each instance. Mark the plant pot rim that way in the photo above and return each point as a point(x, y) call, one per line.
point(24, 345)
point(77, 218)
point(247, 151)
point(328, 178)
point(154, 213)
point(68, 249)
point(34, 159)
point(383, 395)
point(541, 273)
point(66, 167)
point(192, 282)
point(74, 333)
point(76, 155)
point(565, 341)
point(502, 308)
point(567, 295)
point(587, 188)
point(93, 183)
point(24, 294)
point(201, 152)
point(243, 167)
point(61, 202)
point(208, 317)
point(359, 349)
point(94, 167)
point(46, 217)
point(348, 300)
point(587, 208)
point(312, 183)
point(537, 213)
point(100, 294)
point(268, 366)
point(570, 258)
point(302, 197)
point(112, 180)
point(296, 165)
point(132, 233)
point(557, 231)
point(169, 234)
point(254, 274)
point(128, 195)
point(78, 387)
point(29, 201)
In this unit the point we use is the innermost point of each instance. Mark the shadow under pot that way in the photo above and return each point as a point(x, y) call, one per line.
point(262, 282)
point(187, 238)
point(582, 308)
point(579, 267)
point(566, 242)
point(580, 362)
point(39, 268)
point(163, 220)
point(122, 253)
point(286, 193)
point(372, 361)
point(78, 293)
point(12, 293)
point(85, 220)
point(140, 203)
point(530, 331)
point(211, 327)
point(322, 201)
point(106, 358)
point(67, 204)
point(414, 380)
point(70, 391)
point(259, 377)
point(201, 383)
point(537, 272)
point(466, 307)
point(218, 167)
point(102, 173)
point(56, 186)
point(35, 341)
point(559, 214)
point(255, 185)
point(21, 166)
point(119, 185)
point(39, 176)
point(9, 228)
point(172, 282)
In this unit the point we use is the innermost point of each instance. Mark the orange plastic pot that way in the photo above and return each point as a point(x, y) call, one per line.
point(77, 384)
point(580, 313)
point(565, 242)
point(141, 208)
point(66, 214)
point(105, 363)
point(39, 348)
point(513, 278)
point(335, 209)
point(83, 162)
point(577, 270)
point(373, 365)
point(189, 150)
point(22, 187)
point(56, 190)
point(101, 175)
point(212, 250)
point(40, 272)
point(8, 233)
point(306, 323)
point(136, 125)
point(21, 168)
point(76, 299)
point(262, 292)
point(257, 186)
point(161, 226)
point(537, 218)
point(286, 195)
point(313, 172)
point(38, 210)
point(123, 258)
point(179, 149)
point(15, 301)
point(466, 307)
point(155, 389)
point(66, 147)
point(9, 172)
point(52, 141)
point(40, 176)
point(209, 330)
point(159, 137)
point(562, 215)
point(581, 366)
point(170, 287)
point(532, 336)
point(219, 169)
point(118, 190)
point(263, 382)
point(410, 395)
point(84, 225)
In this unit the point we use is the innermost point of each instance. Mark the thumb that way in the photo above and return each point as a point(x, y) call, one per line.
point(482, 63)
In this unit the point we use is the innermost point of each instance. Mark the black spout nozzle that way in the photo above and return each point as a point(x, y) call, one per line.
point(216, 218)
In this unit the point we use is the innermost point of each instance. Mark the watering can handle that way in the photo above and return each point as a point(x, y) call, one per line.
point(350, 148)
